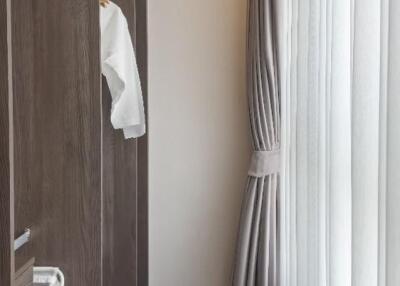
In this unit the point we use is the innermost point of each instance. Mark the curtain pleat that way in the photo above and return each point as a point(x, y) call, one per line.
point(256, 261)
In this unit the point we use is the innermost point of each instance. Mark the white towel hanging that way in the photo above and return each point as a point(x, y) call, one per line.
point(119, 66)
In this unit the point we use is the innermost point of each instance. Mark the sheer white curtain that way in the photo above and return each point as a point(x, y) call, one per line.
point(341, 104)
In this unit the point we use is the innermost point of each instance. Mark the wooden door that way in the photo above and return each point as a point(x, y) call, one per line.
point(57, 135)
point(65, 173)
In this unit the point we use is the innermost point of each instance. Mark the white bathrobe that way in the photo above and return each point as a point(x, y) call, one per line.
point(119, 66)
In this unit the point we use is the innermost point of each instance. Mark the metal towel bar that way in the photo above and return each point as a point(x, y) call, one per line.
point(23, 239)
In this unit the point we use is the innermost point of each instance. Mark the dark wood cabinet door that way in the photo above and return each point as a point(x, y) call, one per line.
point(65, 172)
point(57, 135)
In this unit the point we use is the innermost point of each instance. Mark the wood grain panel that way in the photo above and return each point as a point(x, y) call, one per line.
point(27, 202)
point(57, 115)
point(6, 188)
point(125, 179)
point(120, 203)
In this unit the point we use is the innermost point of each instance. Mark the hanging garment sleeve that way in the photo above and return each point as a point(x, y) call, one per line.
point(120, 69)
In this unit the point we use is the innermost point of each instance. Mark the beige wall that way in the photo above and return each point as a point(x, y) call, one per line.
point(199, 146)
point(393, 142)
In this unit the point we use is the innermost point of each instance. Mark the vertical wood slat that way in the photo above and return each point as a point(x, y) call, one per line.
point(119, 204)
point(142, 213)
point(27, 199)
point(125, 233)
point(57, 116)
point(6, 185)
point(119, 192)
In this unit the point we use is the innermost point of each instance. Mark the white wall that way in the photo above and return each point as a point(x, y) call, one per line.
point(198, 132)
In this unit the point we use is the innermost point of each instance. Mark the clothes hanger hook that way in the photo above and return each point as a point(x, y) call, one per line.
point(104, 3)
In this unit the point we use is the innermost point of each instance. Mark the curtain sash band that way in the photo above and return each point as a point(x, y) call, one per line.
point(264, 163)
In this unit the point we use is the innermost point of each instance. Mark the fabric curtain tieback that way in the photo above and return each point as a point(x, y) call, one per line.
point(264, 163)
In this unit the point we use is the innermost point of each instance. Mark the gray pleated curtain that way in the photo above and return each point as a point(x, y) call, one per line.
point(257, 261)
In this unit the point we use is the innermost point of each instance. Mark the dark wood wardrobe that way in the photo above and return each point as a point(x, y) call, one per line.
point(65, 173)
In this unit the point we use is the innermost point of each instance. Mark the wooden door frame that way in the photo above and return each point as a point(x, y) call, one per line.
point(6, 151)
point(143, 224)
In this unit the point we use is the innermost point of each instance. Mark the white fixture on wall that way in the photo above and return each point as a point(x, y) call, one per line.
point(47, 276)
